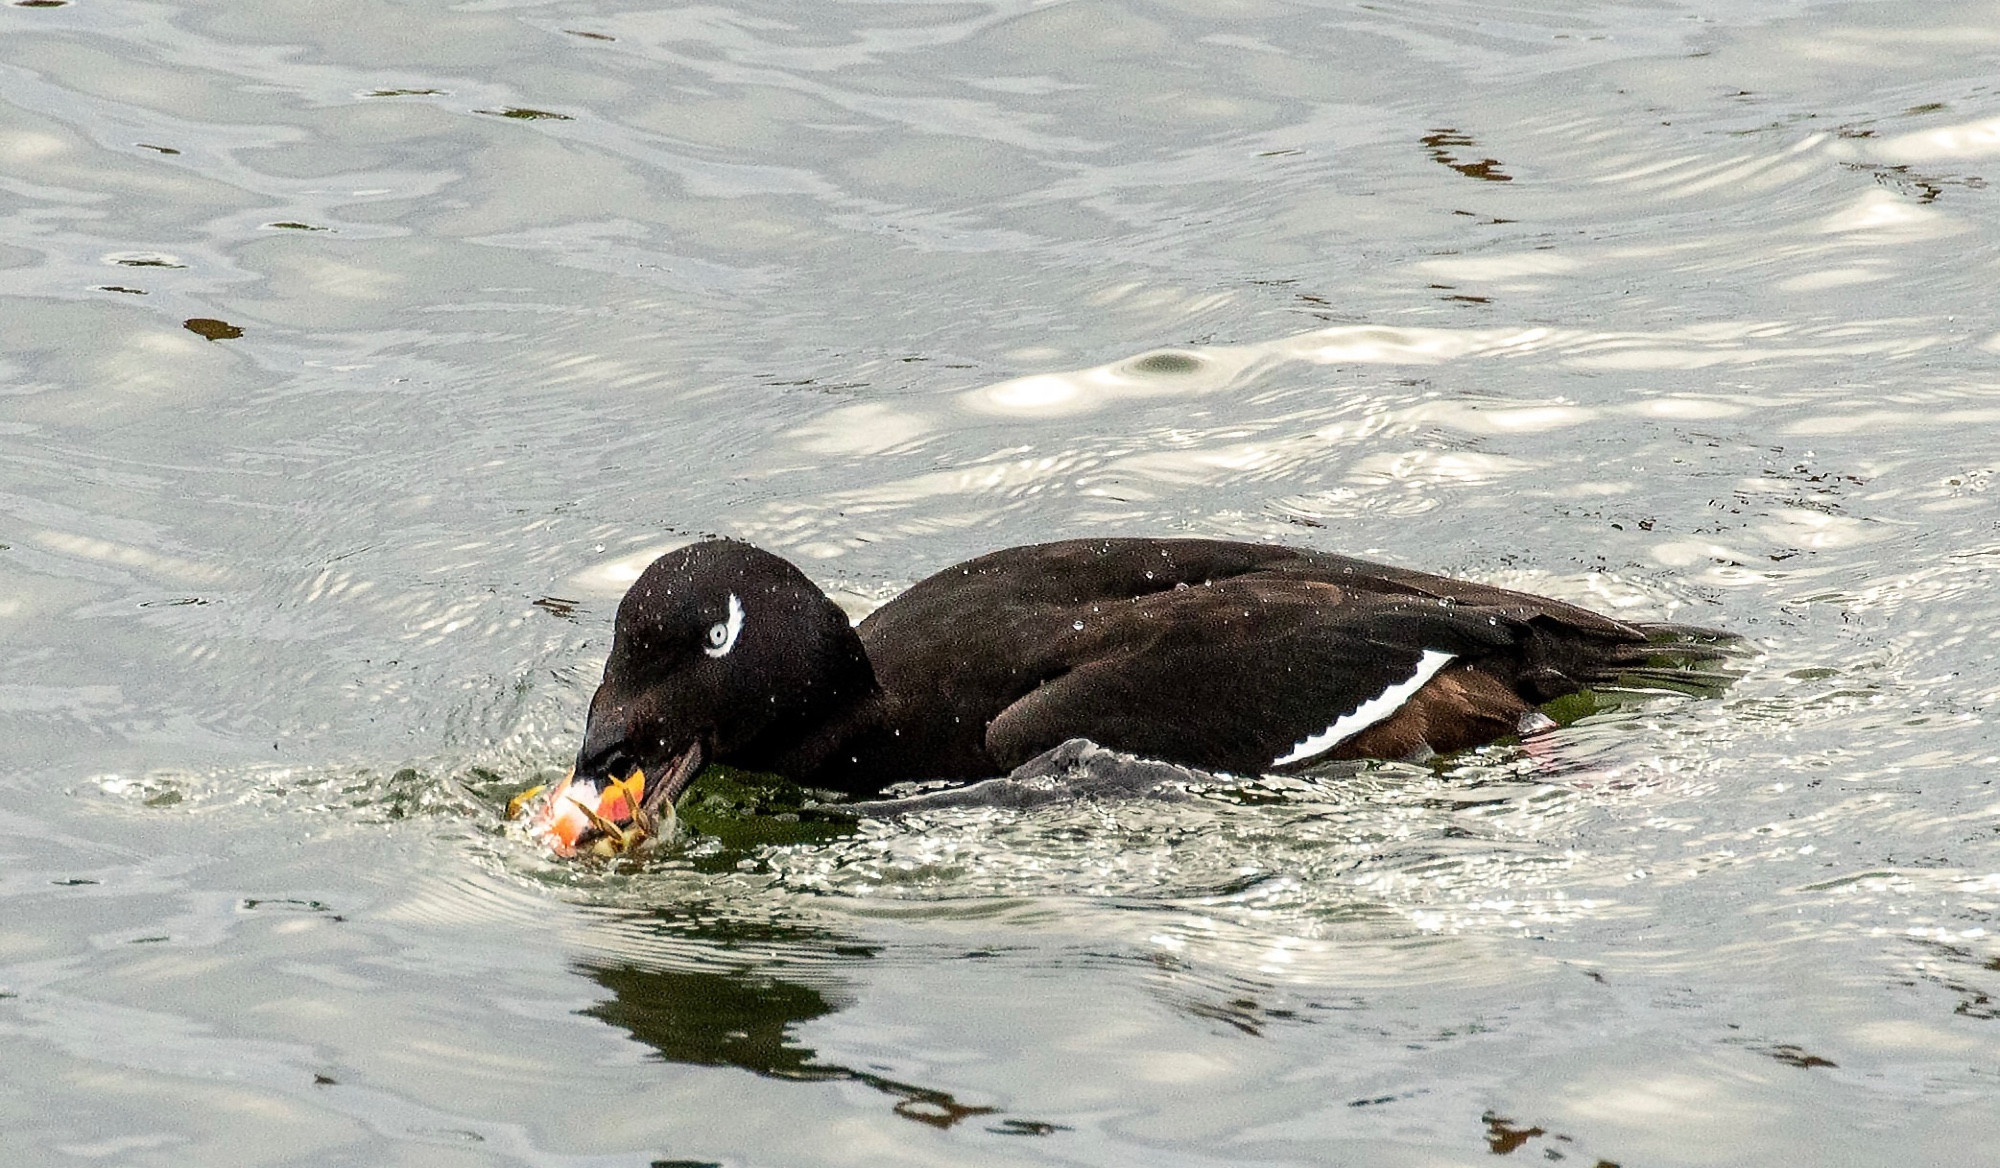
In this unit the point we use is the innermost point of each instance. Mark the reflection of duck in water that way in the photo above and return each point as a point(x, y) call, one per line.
point(1224, 656)
point(747, 1018)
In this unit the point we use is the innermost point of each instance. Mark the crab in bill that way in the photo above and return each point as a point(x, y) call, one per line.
point(622, 817)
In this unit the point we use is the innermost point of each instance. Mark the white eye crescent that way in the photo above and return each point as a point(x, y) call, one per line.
point(722, 634)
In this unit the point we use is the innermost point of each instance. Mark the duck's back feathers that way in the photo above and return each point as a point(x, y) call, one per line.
point(1223, 655)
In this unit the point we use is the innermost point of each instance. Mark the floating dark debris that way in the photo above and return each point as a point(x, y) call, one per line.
point(214, 330)
point(557, 606)
point(525, 114)
point(1441, 143)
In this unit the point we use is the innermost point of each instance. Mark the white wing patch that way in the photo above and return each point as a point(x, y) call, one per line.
point(1369, 712)
point(722, 634)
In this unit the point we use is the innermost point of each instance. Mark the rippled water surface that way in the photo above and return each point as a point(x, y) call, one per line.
point(355, 356)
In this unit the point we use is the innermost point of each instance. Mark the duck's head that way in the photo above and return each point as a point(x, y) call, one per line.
point(722, 652)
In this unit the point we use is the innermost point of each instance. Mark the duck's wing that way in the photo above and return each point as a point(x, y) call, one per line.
point(959, 646)
point(1267, 671)
point(1222, 655)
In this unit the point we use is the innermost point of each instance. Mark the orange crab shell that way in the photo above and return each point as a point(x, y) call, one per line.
point(564, 818)
point(621, 800)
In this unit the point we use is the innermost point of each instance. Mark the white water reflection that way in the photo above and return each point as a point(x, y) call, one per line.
point(1967, 140)
point(877, 427)
point(1319, 446)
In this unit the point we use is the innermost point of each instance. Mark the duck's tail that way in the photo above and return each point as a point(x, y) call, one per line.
point(1690, 659)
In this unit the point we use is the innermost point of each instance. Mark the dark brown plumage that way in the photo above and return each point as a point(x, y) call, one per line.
point(1225, 656)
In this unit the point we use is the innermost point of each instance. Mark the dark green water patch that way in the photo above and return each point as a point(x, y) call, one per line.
point(727, 815)
point(738, 1008)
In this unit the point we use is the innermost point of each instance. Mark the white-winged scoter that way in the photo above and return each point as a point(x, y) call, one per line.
point(1225, 656)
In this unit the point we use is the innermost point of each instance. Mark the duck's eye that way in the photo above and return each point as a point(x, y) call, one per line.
point(721, 636)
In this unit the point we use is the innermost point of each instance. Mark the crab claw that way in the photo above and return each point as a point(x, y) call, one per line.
point(521, 800)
